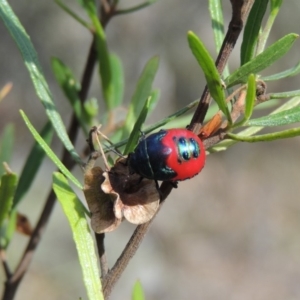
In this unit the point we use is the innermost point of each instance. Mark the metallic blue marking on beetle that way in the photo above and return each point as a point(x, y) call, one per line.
point(148, 158)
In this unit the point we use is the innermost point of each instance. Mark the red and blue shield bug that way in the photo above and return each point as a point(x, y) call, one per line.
point(168, 155)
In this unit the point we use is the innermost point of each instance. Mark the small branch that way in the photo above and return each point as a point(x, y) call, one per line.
point(111, 278)
point(4, 263)
point(240, 11)
point(101, 251)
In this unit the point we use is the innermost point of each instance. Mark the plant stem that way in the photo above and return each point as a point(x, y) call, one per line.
point(101, 251)
point(240, 11)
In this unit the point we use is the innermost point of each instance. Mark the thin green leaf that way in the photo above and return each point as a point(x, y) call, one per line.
point(216, 15)
point(180, 122)
point(210, 71)
point(117, 80)
point(249, 102)
point(49, 152)
point(282, 118)
point(102, 53)
point(135, 8)
point(81, 2)
point(266, 137)
point(32, 164)
point(250, 98)
point(91, 109)
point(275, 5)
point(262, 61)
point(154, 95)
point(135, 134)
point(138, 292)
point(6, 143)
point(287, 73)
point(73, 14)
point(254, 129)
point(30, 58)
point(287, 94)
point(7, 191)
point(141, 93)
point(252, 29)
point(75, 212)
point(71, 87)
point(8, 229)
point(268, 104)
point(172, 117)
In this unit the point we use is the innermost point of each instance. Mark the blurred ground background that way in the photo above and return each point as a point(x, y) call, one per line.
point(230, 233)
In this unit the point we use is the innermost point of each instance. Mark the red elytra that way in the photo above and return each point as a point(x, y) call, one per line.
point(190, 166)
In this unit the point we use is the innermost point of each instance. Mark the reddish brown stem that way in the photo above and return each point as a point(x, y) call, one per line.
point(240, 11)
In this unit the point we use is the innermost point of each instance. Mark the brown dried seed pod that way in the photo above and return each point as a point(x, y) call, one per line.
point(114, 195)
point(137, 200)
point(101, 205)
